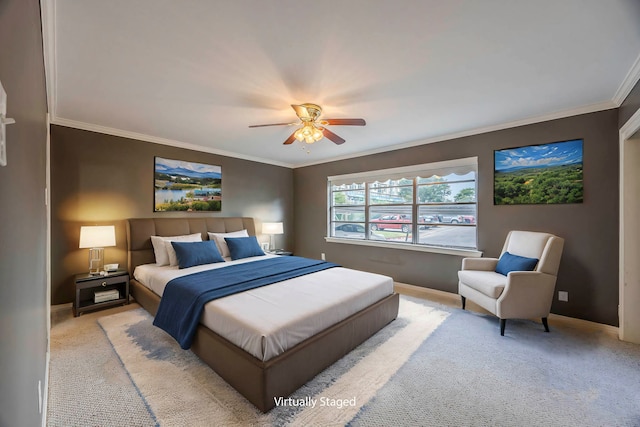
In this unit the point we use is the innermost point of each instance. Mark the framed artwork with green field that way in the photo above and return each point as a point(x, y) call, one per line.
point(539, 174)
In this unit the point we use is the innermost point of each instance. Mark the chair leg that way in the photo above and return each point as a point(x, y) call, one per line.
point(503, 323)
point(464, 301)
point(546, 325)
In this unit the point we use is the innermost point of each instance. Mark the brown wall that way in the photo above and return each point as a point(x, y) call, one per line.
point(100, 179)
point(103, 179)
point(23, 232)
point(630, 105)
point(589, 268)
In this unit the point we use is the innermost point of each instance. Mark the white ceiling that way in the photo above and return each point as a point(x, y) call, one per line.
point(196, 74)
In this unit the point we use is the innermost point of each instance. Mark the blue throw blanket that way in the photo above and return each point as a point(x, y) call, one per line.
point(184, 297)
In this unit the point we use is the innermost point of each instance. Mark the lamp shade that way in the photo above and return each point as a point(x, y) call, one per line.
point(97, 236)
point(272, 228)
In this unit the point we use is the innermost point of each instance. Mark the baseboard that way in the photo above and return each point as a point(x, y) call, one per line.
point(61, 307)
point(453, 300)
point(587, 325)
point(45, 391)
point(431, 294)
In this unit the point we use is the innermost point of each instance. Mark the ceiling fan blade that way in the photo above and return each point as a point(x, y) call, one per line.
point(273, 124)
point(290, 139)
point(344, 122)
point(332, 136)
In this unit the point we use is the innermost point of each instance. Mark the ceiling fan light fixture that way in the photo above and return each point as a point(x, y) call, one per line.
point(299, 134)
point(308, 133)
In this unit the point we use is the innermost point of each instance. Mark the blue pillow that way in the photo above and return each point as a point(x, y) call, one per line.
point(509, 262)
point(190, 254)
point(243, 247)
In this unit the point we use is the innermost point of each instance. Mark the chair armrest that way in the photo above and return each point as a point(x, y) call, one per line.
point(528, 294)
point(482, 264)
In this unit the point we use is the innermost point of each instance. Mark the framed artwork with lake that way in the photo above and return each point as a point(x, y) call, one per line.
point(539, 174)
point(186, 186)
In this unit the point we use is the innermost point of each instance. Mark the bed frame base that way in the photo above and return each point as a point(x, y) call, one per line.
point(262, 382)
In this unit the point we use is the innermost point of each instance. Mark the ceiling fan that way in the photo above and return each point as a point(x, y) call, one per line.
point(313, 129)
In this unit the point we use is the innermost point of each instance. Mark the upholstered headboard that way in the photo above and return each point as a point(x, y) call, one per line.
point(140, 230)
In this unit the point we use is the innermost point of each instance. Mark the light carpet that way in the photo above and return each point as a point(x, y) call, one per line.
point(181, 390)
point(466, 374)
point(87, 383)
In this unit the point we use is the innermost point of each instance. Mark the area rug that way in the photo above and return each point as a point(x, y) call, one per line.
point(181, 390)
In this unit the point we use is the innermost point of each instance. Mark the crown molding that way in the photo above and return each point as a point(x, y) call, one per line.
point(47, 16)
point(630, 127)
point(607, 105)
point(156, 140)
point(601, 106)
point(629, 82)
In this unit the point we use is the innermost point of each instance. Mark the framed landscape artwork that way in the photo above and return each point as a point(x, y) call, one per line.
point(186, 186)
point(539, 174)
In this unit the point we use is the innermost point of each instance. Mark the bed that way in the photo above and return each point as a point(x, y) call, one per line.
point(259, 377)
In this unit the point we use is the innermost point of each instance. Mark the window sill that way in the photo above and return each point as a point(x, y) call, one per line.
point(408, 247)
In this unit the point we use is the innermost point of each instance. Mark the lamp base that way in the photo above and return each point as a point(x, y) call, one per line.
point(96, 260)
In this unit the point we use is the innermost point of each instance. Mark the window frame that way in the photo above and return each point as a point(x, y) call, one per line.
point(459, 166)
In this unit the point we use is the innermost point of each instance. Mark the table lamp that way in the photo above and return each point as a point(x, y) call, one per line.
point(272, 228)
point(96, 238)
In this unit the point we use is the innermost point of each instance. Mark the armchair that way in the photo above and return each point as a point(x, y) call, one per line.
point(518, 294)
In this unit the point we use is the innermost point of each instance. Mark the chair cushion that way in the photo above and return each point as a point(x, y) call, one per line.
point(509, 262)
point(527, 243)
point(489, 283)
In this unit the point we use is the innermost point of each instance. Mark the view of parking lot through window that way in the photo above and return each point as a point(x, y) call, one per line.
point(423, 209)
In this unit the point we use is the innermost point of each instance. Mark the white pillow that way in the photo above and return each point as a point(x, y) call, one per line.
point(162, 252)
point(173, 257)
point(222, 245)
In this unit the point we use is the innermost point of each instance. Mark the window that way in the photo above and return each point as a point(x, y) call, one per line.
point(428, 206)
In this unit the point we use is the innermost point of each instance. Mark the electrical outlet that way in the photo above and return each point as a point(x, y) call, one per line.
point(322, 256)
point(563, 296)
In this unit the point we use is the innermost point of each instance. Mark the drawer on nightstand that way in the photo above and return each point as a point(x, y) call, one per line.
point(101, 281)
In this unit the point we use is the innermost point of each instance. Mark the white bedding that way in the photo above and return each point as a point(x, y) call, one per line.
point(267, 321)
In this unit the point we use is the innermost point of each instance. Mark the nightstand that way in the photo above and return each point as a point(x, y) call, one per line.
point(280, 252)
point(97, 292)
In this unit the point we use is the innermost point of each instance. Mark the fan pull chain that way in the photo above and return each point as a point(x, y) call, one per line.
point(306, 147)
